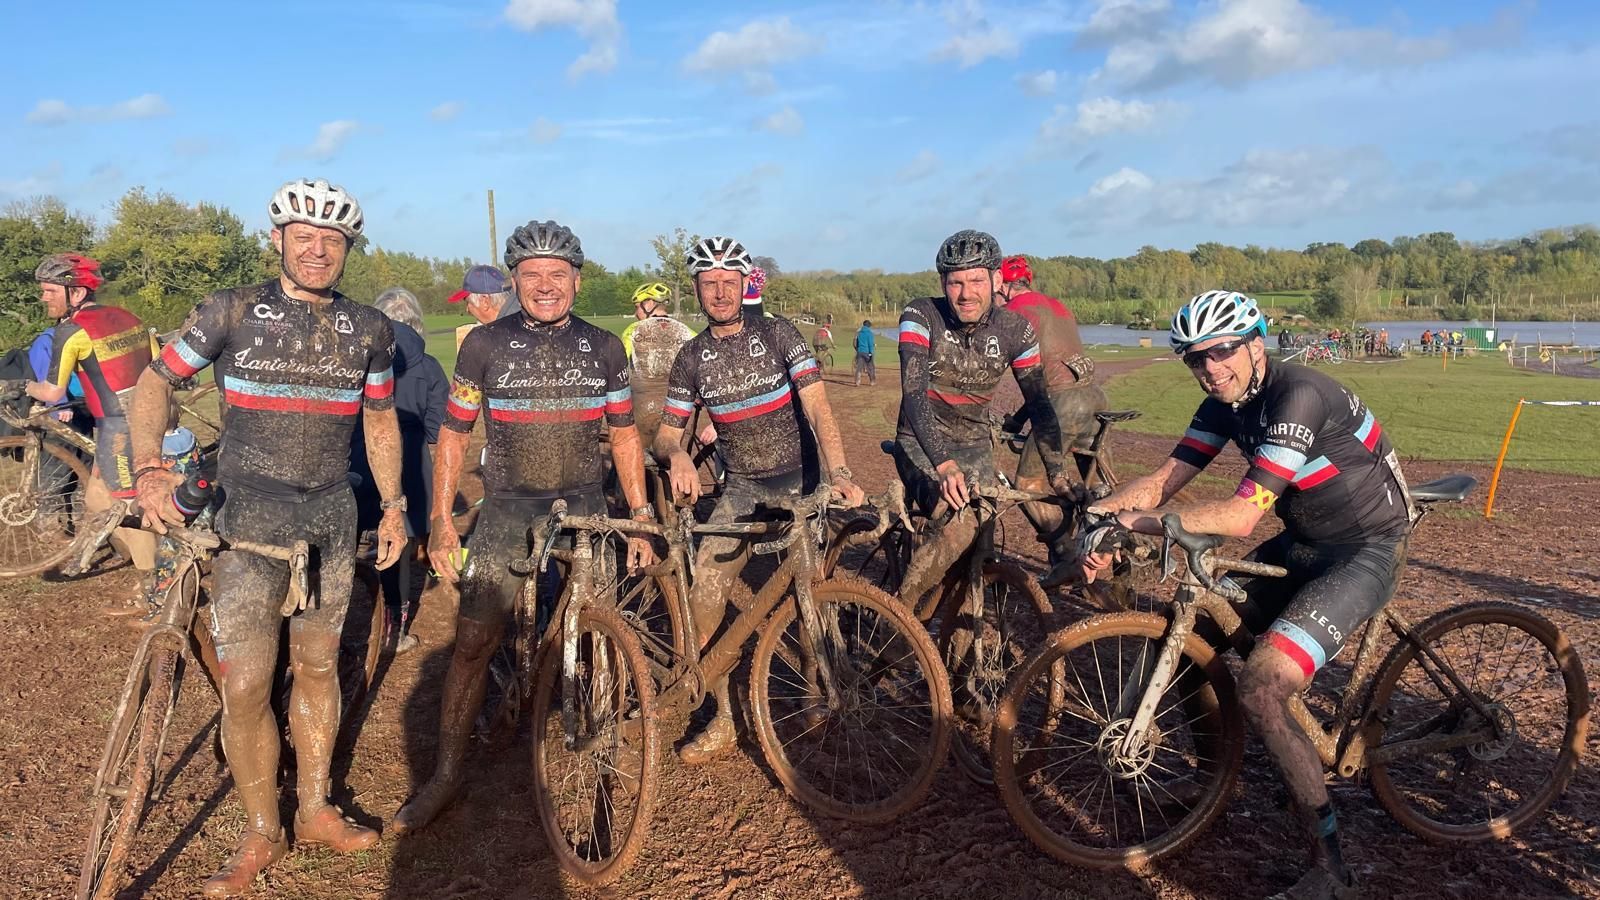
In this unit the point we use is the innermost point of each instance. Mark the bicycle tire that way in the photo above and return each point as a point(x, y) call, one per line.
point(127, 770)
point(882, 564)
point(1216, 765)
point(978, 687)
point(913, 675)
point(572, 847)
point(1559, 660)
point(29, 542)
point(650, 606)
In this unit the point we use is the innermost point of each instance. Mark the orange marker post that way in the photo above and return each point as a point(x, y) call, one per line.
point(1494, 481)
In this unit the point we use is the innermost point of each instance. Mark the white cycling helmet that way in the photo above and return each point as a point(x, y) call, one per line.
point(316, 203)
point(1215, 314)
point(718, 253)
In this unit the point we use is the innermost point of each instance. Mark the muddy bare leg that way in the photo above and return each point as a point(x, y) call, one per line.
point(932, 561)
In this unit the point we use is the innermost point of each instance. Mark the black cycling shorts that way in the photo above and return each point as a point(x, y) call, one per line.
point(249, 590)
point(504, 535)
point(1330, 590)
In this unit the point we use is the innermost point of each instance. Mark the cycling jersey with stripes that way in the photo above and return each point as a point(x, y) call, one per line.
point(748, 383)
point(548, 391)
point(294, 376)
point(110, 347)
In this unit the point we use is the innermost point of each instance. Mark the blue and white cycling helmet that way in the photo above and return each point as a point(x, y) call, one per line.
point(1215, 314)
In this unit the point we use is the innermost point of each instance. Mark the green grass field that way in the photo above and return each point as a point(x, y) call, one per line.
point(1430, 412)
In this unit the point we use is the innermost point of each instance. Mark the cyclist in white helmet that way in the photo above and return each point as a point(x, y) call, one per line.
point(298, 363)
point(1320, 458)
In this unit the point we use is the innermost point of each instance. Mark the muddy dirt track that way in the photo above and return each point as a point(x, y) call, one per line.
point(728, 830)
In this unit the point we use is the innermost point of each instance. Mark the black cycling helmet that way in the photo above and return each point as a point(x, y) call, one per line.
point(968, 249)
point(543, 239)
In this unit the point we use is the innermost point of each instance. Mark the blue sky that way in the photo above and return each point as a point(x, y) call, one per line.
point(837, 135)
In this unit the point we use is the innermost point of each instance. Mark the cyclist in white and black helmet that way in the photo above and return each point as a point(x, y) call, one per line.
point(298, 363)
point(748, 373)
point(1317, 456)
point(548, 383)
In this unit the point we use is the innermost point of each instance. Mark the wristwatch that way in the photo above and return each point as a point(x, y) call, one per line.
point(642, 512)
point(839, 472)
point(397, 503)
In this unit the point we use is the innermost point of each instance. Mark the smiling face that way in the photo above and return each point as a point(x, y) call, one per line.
point(721, 293)
point(971, 292)
point(546, 288)
point(1223, 365)
point(313, 257)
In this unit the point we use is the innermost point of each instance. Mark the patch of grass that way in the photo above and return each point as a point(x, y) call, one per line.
point(1430, 412)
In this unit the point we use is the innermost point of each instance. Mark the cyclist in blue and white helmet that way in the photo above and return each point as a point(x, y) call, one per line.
point(1215, 326)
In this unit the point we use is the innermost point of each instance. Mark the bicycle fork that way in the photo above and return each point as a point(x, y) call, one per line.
point(1160, 675)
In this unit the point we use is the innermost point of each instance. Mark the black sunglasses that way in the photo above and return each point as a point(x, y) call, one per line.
point(1194, 359)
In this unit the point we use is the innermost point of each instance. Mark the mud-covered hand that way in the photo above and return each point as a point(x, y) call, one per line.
point(1063, 486)
point(444, 548)
point(953, 485)
point(641, 553)
point(155, 499)
point(1095, 560)
point(391, 537)
point(848, 492)
point(685, 477)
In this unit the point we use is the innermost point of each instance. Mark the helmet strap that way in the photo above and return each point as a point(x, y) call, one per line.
point(1254, 387)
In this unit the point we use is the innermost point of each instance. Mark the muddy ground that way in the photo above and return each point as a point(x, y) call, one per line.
point(728, 830)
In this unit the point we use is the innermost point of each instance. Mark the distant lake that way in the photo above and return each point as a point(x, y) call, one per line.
point(1584, 333)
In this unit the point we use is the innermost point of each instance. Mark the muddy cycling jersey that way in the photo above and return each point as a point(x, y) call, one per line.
point(294, 377)
point(1059, 342)
point(548, 390)
point(1316, 454)
point(747, 382)
point(949, 371)
point(110, 346)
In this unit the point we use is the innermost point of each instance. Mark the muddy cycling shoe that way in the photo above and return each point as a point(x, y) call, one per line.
point(718, 738)
point(255, 852)
point(1319, 884)
point(425, 805)
point(332, 830)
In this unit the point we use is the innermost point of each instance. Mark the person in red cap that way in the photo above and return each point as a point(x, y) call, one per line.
point(1068, 376)
point(487, 293)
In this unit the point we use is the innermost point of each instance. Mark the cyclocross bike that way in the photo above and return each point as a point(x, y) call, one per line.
point(1120, 741)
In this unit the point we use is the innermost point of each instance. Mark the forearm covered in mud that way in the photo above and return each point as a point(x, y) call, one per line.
point(448, 455)
point(382, 430)
point(1046, 427)
point(627, 457)
point(147, 417)
point(814, 403)
point(918, 409)
point(669, 441)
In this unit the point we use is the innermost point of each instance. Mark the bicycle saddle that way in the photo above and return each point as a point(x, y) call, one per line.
point(1116, 415)
point(1450, 488)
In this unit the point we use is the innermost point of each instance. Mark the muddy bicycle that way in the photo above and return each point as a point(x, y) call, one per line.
point(1120, 742)
point(43, 473)
point(851, 706)
point(129, 778)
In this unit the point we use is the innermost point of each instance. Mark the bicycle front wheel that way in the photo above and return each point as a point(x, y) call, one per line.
point(981, 653)
point(128, 768)
point(867, 747)
point(1527, 678)
point(1059, 752)
point(38, 514)
point(594, 779)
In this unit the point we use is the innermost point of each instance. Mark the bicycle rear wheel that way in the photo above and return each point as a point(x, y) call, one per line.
point(1526, 674)
point(1059, 765)
point(596, 786)
point(38, 518)
point(981, 655)
point(128, 768)
point(870, 753)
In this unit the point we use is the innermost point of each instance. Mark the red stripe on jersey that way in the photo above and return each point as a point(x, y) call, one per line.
point(1200, 447)
point(1293, 651)
point(545, 416)
point(463, 413)
point(293, 404)
point(1371, 441)
point(1317, 477)
point(1274, 468)
point(619, 407)
point(175, 363)
point(956, 399)
point(751, 412)
point(911, 337)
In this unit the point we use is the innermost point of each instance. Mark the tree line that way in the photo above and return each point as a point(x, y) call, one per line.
point(160, 255)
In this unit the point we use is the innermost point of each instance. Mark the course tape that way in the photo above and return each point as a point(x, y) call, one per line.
point(1561, 402)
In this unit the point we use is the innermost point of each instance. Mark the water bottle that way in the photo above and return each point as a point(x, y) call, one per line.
point(193, 495)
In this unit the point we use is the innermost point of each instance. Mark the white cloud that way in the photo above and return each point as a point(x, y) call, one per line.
point(58, 112)
point(1099, 117)
point(784, 121)
point(330, 139)
point(1038, 84)
point(594, 20)
point(1123, 179)
point(757, 45)
point(544, 131)
point(746, 188)
point(972, 38)
point(447, 111)
point(1233, 42)
point(921, 166)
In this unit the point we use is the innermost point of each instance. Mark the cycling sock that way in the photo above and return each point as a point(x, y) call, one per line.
point(1325, 841)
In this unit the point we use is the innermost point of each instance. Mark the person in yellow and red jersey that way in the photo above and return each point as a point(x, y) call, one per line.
point(107, 347)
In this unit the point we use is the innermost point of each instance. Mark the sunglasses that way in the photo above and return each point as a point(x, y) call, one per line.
point(1196, 359)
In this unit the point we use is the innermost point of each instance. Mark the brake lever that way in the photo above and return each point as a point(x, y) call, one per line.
point(299, 579)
